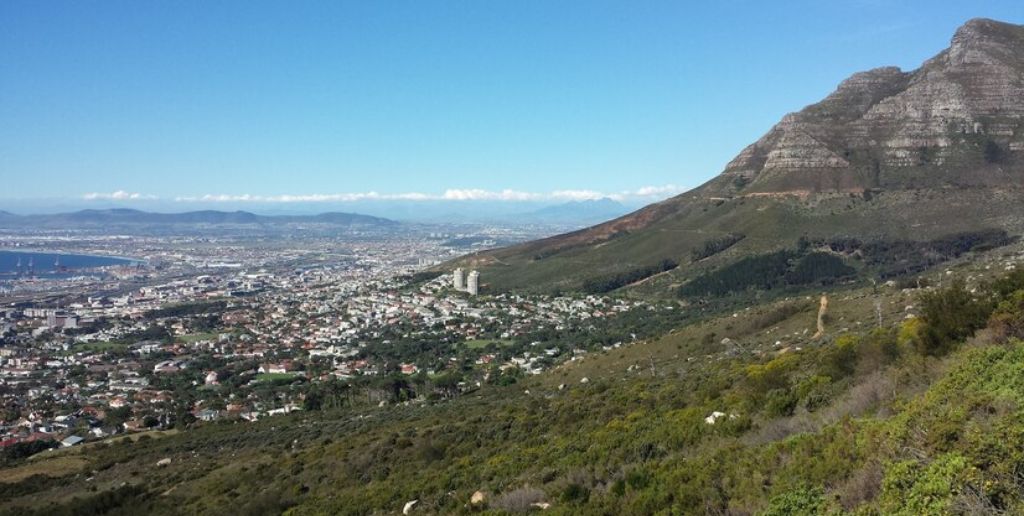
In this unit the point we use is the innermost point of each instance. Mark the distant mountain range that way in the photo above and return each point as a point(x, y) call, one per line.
point(130, 217)
point(889, 155)
point(577, 212)
point(566, 214)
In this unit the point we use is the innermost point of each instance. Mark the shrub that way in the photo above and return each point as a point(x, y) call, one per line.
point(780, 402)
point(1008, 319)
point(575, 493)
point(950, 315)
point(840, 360)
point(798, 502)
point(911, 489)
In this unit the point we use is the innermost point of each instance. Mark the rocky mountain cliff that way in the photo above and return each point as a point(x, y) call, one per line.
point(889, 154)
point(957, 120)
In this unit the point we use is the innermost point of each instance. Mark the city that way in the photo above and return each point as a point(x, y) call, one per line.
point(200, 329)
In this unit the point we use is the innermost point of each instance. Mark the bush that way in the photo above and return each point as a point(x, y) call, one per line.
point(911, 489)
point(1008, 319)
point(950, 315)
point(575, 493)
point(798, 502)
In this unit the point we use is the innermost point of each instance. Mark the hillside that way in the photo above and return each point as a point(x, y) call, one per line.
point(889, 155)
point(881, 415)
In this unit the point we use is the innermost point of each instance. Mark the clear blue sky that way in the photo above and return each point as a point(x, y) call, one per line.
point(266, 98)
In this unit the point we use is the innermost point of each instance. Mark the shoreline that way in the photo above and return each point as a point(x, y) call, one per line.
point(128, 259)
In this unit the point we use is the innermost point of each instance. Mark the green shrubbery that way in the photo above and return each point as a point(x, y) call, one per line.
point(779, 269)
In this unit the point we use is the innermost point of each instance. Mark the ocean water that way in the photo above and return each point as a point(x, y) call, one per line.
point(45, 264)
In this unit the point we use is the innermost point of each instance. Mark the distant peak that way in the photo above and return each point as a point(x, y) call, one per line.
point(870, 78)
point(982, 33)
point(983, 26)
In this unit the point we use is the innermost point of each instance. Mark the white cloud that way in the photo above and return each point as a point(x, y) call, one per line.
point(119, 195)
point(646, 193)
point(650, 193)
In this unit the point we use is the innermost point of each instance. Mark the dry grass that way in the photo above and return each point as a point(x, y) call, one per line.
point(51, 467)
point(519, 500)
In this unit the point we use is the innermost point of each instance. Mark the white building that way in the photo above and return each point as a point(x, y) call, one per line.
point(473, 283)
point(457, 281)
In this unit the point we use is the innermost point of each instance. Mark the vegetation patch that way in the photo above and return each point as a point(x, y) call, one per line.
point(603, 284)
point(273, 377)
point(894, 258)
point(715, 245)
point(770, 271)
point(483, 343)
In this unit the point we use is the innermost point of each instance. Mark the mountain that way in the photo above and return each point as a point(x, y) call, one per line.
point(890, 155)
point(130, 217)
point(577, 212)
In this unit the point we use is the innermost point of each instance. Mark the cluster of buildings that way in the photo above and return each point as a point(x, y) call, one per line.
point(469, 284)
point(132, 353)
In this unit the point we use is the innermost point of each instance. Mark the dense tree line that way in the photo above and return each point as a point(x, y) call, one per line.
point(805, 266)
point(762, 272)
point(608, 283)
point(17, 451)
point(715, 245)
point(819, 268)
point(894, 258)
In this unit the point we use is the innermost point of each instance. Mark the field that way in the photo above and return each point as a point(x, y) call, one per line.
point(483, 343)
point(196, 337)
point(270, 377)
point(98, 347)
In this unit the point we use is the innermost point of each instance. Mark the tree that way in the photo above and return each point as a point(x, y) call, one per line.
point(950, 315)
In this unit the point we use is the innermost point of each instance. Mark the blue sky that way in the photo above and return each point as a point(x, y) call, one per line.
point(216, 100)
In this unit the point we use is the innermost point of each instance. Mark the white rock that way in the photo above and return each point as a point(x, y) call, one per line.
point(408, 506)
point(714, 417)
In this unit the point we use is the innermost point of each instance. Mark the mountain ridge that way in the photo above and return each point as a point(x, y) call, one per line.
point(888, 154)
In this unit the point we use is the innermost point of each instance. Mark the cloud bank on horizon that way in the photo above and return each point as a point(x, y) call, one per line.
point(119, 195)
point(646, 193)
